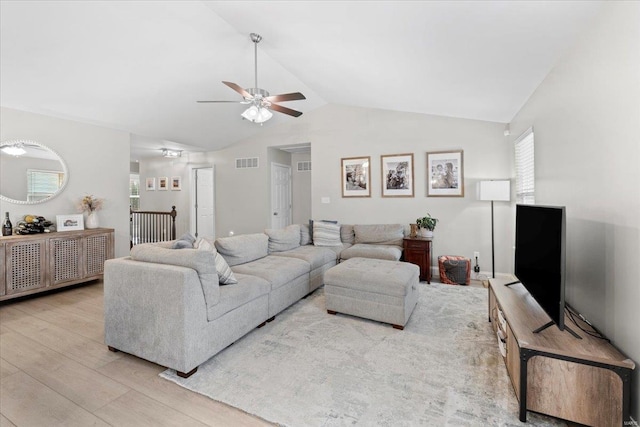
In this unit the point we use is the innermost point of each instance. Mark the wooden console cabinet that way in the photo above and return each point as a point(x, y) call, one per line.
point(417, 250)
point(586, 380)
point(40, 262)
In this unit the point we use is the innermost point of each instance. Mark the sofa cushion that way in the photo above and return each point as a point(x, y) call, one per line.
point(337, 250)
point(326, 234)
point(381, 234)
point(316, 256)
point(283, 239)
point(203, 262)
point(347, 234)
point(277, 270)
point(363, 250)
point(243, 248)
point(305, 234)
point(225, 275)
point(247, 289)
point(184, 242)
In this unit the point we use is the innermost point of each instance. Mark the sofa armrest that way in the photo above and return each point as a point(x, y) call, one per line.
point(153, 311)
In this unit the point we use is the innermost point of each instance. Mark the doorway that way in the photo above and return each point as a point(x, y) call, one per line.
point(203, 221)
point(280, 195)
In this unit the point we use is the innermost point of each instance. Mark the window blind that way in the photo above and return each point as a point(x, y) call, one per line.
point(525, 168)
point(42, 184)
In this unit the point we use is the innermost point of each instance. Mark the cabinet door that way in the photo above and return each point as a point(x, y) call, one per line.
point(418, 257)
point(3, 283)
point(26, 266)
point(513, 360)
point(97, 249)
point(65, 259)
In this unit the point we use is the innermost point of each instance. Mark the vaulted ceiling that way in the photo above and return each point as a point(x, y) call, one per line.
point(140, 66)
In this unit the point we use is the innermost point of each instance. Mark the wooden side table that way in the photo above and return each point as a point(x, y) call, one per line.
point(417, 250)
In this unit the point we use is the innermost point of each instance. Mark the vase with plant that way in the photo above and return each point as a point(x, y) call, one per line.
point(91, 205)
point(426, 225)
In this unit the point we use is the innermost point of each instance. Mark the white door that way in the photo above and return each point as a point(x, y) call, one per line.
point(280, 195)
point(203, 203)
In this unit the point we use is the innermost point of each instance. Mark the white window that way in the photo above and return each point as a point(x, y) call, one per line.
point(42, 184)
point(525, 175)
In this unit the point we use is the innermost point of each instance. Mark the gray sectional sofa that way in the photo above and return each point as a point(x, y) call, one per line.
point(168, 305)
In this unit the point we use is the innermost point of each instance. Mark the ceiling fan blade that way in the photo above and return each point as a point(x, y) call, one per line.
point(295, 96)
point(239, 89)
point(285, 110)
point(232, 102)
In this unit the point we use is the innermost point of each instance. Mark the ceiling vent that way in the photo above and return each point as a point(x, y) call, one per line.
point(304, 166)
point(247, 163)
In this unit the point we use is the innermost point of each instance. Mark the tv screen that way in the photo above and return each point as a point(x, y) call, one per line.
point(540, 256)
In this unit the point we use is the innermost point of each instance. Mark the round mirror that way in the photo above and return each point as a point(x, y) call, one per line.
point(30, 172)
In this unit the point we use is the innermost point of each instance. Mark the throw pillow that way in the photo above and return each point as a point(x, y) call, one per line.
point(225, 274)
point(283, 239)
point(347, 235)
point(326, 234)
point(311, 227)
point(305, 234)
point(184, 242)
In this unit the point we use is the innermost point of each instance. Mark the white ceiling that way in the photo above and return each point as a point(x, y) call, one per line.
point(140, 66)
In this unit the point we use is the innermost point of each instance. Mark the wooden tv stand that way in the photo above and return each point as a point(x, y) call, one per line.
point(586, 380)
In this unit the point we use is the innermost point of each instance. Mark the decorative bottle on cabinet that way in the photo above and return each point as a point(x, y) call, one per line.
point(7, 227)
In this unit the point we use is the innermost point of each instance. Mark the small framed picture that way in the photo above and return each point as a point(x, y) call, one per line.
point(445, 174)
point(69, 222)
point(151, 184)
point(176, 183)
point(355, 177)
point(163, 183)
point(397, 175)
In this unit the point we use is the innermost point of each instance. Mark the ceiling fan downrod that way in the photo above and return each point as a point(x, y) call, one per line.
point(255, 38)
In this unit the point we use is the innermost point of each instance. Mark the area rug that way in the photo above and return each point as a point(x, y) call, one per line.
point(309, 368)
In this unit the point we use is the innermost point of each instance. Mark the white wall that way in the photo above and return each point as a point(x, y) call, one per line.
point(300, 189)
point(339, 131)
point(98, 162)
point(586, 119)
point(162, 201)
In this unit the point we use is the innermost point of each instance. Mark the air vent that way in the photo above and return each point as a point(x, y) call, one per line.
point(304, 166)
point(246, 163)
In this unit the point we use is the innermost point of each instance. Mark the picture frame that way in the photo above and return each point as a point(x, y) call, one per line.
point(151, 184)
point(69, 222)
point(397, 175)
point(163, 183)
point(355, 176)
point(445, 174)
point(176, 183)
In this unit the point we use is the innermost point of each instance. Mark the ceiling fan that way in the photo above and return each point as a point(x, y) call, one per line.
point(259, 101)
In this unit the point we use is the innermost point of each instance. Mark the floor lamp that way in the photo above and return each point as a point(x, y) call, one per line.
point(496, 190)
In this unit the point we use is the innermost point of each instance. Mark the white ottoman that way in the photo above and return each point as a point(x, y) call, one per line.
point(386, 291)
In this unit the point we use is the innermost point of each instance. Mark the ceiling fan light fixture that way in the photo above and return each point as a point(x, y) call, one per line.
point(14, 150)
point(172, 154)
point(257, 114)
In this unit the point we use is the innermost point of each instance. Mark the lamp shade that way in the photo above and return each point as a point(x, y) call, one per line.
point(497, 190)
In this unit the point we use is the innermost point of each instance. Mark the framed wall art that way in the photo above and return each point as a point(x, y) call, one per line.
point(445, 174)
point(69, 222)
point(163, 183)
point(176, 183)
point(355, 177)
point(151, 184)
point(397, 175)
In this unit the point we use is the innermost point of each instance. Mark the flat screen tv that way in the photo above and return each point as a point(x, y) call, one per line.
point(540, 257)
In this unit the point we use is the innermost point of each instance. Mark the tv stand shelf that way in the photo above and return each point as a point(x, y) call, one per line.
point(586, 380)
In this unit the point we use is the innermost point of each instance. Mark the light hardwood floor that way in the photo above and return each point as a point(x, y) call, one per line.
point(55, 370)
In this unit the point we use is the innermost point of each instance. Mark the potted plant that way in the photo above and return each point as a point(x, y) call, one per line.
point(426, 225)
